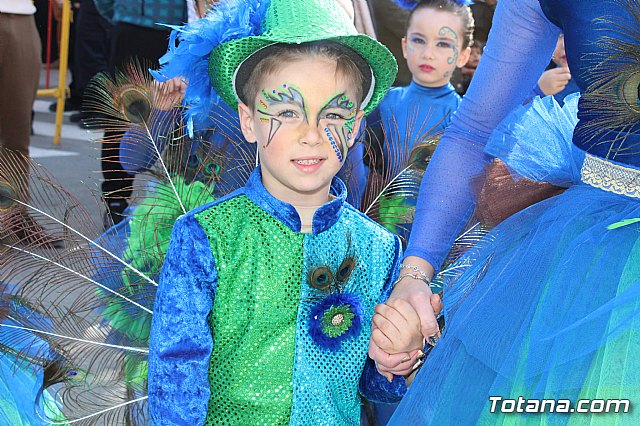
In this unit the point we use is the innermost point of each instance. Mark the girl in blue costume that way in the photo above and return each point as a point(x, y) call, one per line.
point(439, 33)
point(550, 307)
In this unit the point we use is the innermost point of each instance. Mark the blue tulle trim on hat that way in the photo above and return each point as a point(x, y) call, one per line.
point(411, 4)
point(535, 141)
point(189, 57)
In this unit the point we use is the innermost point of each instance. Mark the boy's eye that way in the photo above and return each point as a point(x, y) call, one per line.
point(287, 114)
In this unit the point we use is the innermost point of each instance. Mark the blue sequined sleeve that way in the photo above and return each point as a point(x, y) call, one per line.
point(519, 47)
point(373, 385)
point(181, 341)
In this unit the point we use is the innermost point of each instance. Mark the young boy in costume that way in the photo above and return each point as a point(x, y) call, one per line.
point(263, 311)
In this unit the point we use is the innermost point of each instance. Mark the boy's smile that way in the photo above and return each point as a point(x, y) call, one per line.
point(304, 120)
point(433, 47)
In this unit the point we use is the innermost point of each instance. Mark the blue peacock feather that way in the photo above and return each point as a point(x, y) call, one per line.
point(189, 58)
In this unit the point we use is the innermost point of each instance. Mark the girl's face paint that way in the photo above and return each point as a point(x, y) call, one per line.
point(303, 121)
point(433, 47)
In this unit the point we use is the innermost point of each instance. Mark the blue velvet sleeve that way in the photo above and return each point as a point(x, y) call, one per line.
point(520, 46)
point(374, 386)
point(181, 342)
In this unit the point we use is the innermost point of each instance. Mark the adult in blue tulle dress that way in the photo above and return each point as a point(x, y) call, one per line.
point(550, 307)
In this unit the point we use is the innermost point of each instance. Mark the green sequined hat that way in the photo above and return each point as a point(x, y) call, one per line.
point(296, 22)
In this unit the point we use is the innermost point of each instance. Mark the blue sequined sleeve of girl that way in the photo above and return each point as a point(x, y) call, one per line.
point(373, 385)
point(519, 48)
point(181, 342)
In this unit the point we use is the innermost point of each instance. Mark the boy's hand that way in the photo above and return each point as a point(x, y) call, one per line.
point(403, 363)
point(554, 80)
point(170, 93)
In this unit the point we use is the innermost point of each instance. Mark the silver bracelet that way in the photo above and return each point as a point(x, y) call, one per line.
point(414, 276)
point(423, 275)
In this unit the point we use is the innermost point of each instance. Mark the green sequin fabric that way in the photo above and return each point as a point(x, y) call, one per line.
point(253, 320)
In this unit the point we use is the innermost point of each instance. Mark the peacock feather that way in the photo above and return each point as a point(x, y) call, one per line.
point(396, 169)
point(613, 97)
point(78, 304)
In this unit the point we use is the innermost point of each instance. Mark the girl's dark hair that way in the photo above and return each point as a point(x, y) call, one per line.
point(452, 6)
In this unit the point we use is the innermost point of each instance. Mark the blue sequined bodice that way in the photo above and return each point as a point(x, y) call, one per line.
point(610, 107)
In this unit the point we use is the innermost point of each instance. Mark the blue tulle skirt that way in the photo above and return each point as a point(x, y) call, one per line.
point(549, 304)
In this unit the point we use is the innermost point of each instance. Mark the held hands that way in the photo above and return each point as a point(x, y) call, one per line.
point(397, 335)
point(170, 93)
point(396, 327)
point(554, 80)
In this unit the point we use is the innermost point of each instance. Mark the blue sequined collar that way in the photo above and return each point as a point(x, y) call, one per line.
point(326, 215)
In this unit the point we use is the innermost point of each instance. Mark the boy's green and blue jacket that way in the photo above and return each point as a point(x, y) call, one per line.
point(257, 323)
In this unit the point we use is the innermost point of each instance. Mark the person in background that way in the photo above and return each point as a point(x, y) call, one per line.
point(557, 80)
point(390, 21)
point(439, 33)
point(462, 76)
point(91, 51)
point(19, 80)
point(136, 35)
point(483, 17)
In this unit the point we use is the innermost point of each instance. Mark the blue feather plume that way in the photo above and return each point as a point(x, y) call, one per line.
point(189, 59)
point(411, 4)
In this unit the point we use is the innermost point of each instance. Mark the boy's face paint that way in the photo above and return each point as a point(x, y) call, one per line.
point(288, 103)
point(340, 114)
point(303, 121)
point(280, 98)
point(433, 46)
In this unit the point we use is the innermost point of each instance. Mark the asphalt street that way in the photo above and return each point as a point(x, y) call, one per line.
point(74, 162)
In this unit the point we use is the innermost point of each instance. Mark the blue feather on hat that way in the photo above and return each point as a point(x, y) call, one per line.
point(411, 4)
point(189, 58)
